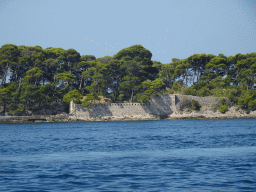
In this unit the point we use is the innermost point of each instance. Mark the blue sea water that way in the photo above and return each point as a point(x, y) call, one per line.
point(165, 155)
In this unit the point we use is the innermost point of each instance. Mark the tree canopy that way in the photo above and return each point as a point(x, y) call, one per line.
point(37, 74)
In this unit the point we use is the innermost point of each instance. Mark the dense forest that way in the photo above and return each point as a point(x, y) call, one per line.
point(33, 77)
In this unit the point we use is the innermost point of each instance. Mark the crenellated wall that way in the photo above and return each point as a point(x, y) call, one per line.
point(158, 107)
point(161, 106)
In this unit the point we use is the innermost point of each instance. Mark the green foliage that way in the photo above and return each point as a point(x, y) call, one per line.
point(191, 105)
point(252, 104)
point(105, 59)
point(217, 65)
point(90, 100)
point(16, 111)
point(203, 92)
point(222, 105)
point(65, 77)
point(137, 60)
point(158, 65)
point(223, 108)
point(150, 89)
point(189, 91)
point(9, 92)
point(33, 76)
point(71, 95)
point(189, 110)
point(50, 92)
point(30, 92)
point(247, 99)
point(176, 87)
point(38, 74)
point(120, 97)
point(9, 54)
point(224, 102)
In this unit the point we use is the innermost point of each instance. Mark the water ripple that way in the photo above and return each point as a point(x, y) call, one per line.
point(180, 155)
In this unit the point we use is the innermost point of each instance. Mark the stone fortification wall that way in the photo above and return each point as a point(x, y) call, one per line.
point(183, 100)
point(158, 107)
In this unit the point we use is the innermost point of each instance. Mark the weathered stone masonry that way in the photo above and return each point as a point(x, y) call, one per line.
point(158, 107)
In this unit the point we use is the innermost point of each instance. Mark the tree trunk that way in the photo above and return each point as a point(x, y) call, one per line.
point(197, 76)
point(194, 77)
point(4, 106)
point(54, 82)
point(4, 76)
point(131, 96)
point(69, 67)
point(115, 92)
point(81, 81)
point(19, 85)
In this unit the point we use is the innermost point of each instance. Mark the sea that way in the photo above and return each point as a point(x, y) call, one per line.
point(162, 155)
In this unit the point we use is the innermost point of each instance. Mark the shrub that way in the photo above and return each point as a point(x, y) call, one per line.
point(203, 92)
point(222, 105)
point(188, 110)
point(176, 87)
point(91, 99)
point(18, 110)
point(171, 91)
point(195, 105)
point(247, 99)
point(223, 102)
point(223, 109)
point(252, 104)
point(189, 91)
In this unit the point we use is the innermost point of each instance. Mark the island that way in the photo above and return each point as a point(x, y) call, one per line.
point(54, 84)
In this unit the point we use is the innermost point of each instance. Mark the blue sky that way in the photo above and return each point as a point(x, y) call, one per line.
point(168, 28)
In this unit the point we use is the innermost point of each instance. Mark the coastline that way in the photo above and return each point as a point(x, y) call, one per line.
point(204, 113)
point(120, 120)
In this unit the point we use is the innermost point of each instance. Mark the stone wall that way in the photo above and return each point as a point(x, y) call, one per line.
point(182, 100)
point(158, 107)
point(203, 100)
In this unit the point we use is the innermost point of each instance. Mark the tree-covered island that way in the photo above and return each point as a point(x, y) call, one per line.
point(33, 78)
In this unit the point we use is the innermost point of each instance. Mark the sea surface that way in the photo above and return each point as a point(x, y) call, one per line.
point(165, 155)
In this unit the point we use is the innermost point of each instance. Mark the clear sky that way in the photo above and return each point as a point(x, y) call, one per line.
point(168, 28)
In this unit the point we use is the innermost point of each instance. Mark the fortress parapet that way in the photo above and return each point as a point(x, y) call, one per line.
point(158, 107)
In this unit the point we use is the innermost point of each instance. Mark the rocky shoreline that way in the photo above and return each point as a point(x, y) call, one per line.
point(204, 113)
point(33, 118)
point(207, 113)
